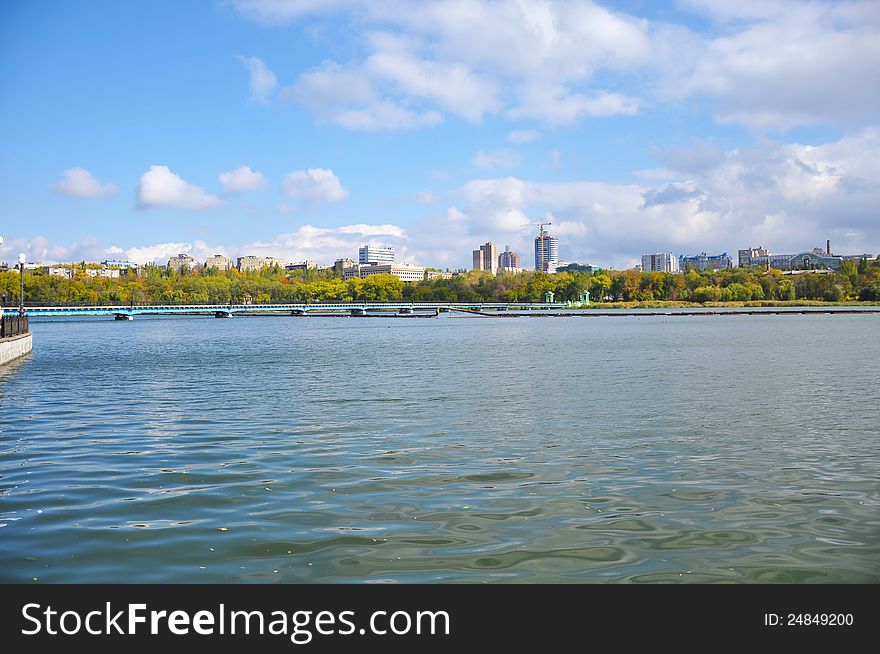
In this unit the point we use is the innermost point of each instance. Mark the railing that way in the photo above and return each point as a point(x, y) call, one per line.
point(13, 326)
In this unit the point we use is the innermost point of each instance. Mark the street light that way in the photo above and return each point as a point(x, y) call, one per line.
point(3, 296)
point(21, 261)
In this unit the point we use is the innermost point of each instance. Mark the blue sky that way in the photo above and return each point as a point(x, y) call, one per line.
point(303, 129)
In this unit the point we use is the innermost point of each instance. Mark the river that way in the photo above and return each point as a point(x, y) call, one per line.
point(450, 449)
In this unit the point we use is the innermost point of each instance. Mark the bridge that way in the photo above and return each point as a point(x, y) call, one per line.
point(300, 309)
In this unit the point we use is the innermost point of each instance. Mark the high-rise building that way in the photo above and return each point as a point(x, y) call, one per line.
point(372, 254)
point(508, 260)
point(705, 261)
point(660, 262)
point(486, 258)
point(546, 253)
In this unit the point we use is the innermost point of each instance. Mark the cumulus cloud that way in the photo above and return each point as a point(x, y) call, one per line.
point(262, 80)
point(159, 253)
point(347, 97)
point(159, 187)
point(40, 250)
point(768, 65)
point(326, 244)
point(80, 183)
point(788, 197)
point(774, 65)
point(313, 186)
point(469, 60)
point(242, 180)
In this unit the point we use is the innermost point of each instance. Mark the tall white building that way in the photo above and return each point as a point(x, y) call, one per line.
point(372, 254)
point(546, 253)
point(660, 262)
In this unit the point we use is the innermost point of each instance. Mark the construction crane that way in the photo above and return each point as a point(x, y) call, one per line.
point(540, 225)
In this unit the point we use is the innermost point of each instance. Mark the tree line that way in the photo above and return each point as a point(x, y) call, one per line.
point(854, 281)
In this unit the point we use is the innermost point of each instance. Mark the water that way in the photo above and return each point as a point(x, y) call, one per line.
point(262, 449)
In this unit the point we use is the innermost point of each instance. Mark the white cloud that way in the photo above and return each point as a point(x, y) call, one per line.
point(79, 183)
point(767, 65)
point(242, 180)
point(263, 80)
point(159, 253)
point(788, 197)
point(39, 250)
point(778, 65)
point(326, 244)
point(313, 186)
point(282, 12)
point(347, 97)
point(496, 159)
point(385, 115)
point(159, 187)
point(450, 85)
point(469, 59)
point(523, 136)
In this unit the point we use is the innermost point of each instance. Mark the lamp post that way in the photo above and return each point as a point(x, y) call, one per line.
point(3, 296)
point(21, 261)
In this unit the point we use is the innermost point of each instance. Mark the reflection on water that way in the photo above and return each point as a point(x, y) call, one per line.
point(644, 449)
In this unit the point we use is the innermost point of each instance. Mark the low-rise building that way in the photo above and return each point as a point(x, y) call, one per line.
point(746, 256)
point(251, 263)
point(248, 263)
point(181, 263)
point(816, 259)
point(107, 273)
point(57, 271)
point(218, 262)
point(705, 261)
point(402, 271)
point(341, 264)
point(301, 266)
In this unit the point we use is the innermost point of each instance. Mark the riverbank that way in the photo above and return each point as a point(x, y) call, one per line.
point(15, 346)
point(669, 304)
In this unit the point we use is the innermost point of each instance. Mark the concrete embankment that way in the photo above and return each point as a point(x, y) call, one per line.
point(642, 314)
point(15, 346)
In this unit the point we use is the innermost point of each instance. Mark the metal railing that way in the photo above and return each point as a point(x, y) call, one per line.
point(13, 326)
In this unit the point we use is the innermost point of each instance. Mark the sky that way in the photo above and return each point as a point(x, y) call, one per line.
point(303, 129)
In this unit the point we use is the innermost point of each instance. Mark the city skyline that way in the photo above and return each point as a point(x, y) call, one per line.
point(302, 134)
